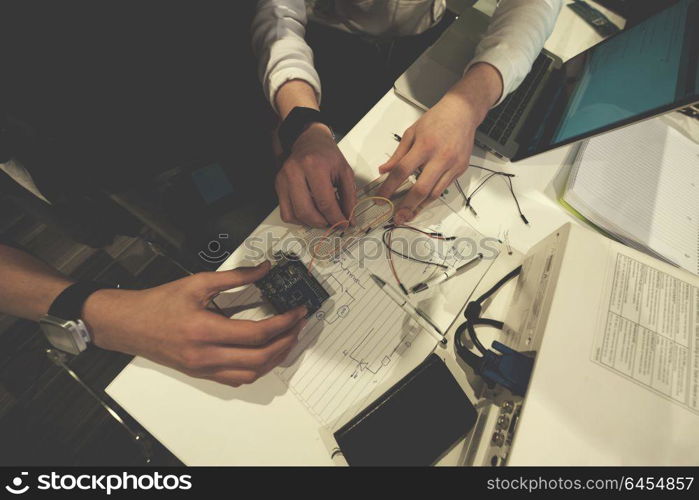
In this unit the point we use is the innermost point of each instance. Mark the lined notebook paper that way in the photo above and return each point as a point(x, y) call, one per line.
point(641, 185)
point(359, 336)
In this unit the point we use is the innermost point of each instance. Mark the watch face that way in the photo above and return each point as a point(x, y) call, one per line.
point(59, 335)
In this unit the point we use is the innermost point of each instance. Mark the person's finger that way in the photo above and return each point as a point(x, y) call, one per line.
point(217, 281)
point(439, 188)
point(286, 210)
point(237, 377)
point(401, 150)
point(243, 332)
point(325, 198)
point(421, 191)
point(278, 359)
point(233, 378)
point(407, 165)
point(209, 283)
point(302, 202)
point(445, 181)
point(216, 357)
point(348, 191)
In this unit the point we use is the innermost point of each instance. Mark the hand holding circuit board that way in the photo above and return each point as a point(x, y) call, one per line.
point(290, 284)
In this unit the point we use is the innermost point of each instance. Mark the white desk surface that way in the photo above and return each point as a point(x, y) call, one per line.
point(204, 423)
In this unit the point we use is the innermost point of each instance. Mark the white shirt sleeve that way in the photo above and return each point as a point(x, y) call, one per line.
point(515, 36)
point(278, 32)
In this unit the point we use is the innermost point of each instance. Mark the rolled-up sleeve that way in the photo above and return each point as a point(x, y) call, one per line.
point(515, 36)
point(278, 39)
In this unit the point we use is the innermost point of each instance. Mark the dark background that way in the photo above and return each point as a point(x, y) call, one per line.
point(108, 95)
point(117, 91)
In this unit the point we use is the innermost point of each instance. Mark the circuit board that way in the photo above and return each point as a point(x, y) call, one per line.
point(290, 284)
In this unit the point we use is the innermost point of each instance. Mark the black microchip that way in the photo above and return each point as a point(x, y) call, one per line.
point(290, 284)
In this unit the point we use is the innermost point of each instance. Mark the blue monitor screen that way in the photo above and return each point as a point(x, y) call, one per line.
point(647, 67)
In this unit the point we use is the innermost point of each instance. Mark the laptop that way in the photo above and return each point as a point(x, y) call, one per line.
point(646, 70)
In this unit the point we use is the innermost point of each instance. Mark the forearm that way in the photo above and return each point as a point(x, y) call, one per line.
point(278, 33)
point(28, 285)
point(478, 90)
point(295, 93)
point(515, 36)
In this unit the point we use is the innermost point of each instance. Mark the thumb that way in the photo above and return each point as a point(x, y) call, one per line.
point(214, 282)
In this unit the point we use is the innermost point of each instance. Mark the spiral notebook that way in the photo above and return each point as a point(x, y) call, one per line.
point(640, 185)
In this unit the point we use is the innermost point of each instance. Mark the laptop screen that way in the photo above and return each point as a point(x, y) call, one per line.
point(644, 70)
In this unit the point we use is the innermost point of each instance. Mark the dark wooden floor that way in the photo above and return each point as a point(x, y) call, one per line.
point(46, 417)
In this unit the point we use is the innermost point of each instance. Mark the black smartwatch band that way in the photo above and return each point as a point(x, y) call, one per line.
point(295, 124)
point(69, 303)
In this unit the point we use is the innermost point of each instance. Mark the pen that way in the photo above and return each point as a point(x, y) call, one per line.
point(444, 275)
point(416, 314)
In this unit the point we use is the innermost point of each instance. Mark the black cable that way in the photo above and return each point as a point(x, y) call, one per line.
point(471, 359)
point(473, 193)
point(461, 191)
point(504, 174)
point(519, 209)
point(493, 173)
point(497, 285)
point(474, 338)
point(409, 257)
point(480, 186)
point(473, 318)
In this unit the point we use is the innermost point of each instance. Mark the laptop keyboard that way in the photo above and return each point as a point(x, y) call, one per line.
point(500, 121)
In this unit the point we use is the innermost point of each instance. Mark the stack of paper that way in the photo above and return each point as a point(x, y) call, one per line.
point(640, 184)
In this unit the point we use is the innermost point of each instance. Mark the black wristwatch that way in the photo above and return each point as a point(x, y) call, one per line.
point(63, 326)
point(296, 122)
